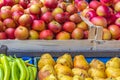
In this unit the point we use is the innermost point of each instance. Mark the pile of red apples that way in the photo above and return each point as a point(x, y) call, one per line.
point(104, 13)
point(40, 19)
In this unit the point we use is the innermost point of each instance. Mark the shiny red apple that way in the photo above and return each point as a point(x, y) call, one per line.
point(10, 33)
point(47, 17)
point(54, 26)
point(46, 35)
point(3, 35)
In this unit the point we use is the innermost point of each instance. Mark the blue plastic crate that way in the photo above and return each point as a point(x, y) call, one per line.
point(27, 58)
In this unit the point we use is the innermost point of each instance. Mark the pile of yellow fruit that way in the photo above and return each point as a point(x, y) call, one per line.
point(64, 68)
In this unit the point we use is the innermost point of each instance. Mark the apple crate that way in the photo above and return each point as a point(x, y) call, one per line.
point(103, 45)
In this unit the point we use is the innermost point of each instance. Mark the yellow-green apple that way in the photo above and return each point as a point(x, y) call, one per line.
point(69, 26)
point(81, 5)
point(17, 7)
point(33, 35)
point(77, 33)
point(57, 11)
point(16, 1)
point(9, 23)
point(63, 35)
point(35, 9)
point(117, 6)
point(51, 3)
point(36, 2)
point(62, 5)
point(47, 17)
point(9, 2)
point(5, 14)
point(86, 33)
point(103, 10)
point(90, 14)
point(24, 3)
point(44, 10)
point(10, 33)
point(106, 2)
point(117, 21)
point(3, 35)
point(94, 4)
point(38, 25)
point(1, 26)
point(21, 33)
point(16, 15)
point(25, 20)
point(54, 26)
point(99, 21)
point(46, 35)
point(82, 25)
point(75, 18)
point(115, 31)
point(106, 34)
point(71, 9)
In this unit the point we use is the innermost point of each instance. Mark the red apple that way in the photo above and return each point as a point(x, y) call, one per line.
point(17, 7)
point(99, 21)
point(106, 34)
point(84, 12)
point(35, 9)
point(82, 25)
point(51, 4)
point(47, 17)
point(63, 35)
point(38, 25)
point(86, 34)
point(106, 2)
point(67, 16)
point(60, 17)
point(94, 4)
point(117, 6)
point(16, 15)
point(75, 18)
point(81, 5)
point(103, 11)
point(117, 22)
point(77, 33)
point(10, 33)
point(25, 20)
point(8, 2)
point(3, 35)
point(34, 17)
point(1, 26)
point(115, 31)
point(54, 26)
point(9, 23)
point(71, 9)
point(24, 3)
point(4, 14)
point(115, 1)
point(33, 35)
point(57, 11)
point(90, 14)
point(117, 15)
point(46, 35)
point(69, 26)
point(111, 19)
point(21, 33)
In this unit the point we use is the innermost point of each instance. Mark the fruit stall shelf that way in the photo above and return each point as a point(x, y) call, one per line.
point(89, 48)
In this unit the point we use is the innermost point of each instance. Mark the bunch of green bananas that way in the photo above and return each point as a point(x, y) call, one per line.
point(16, 69)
